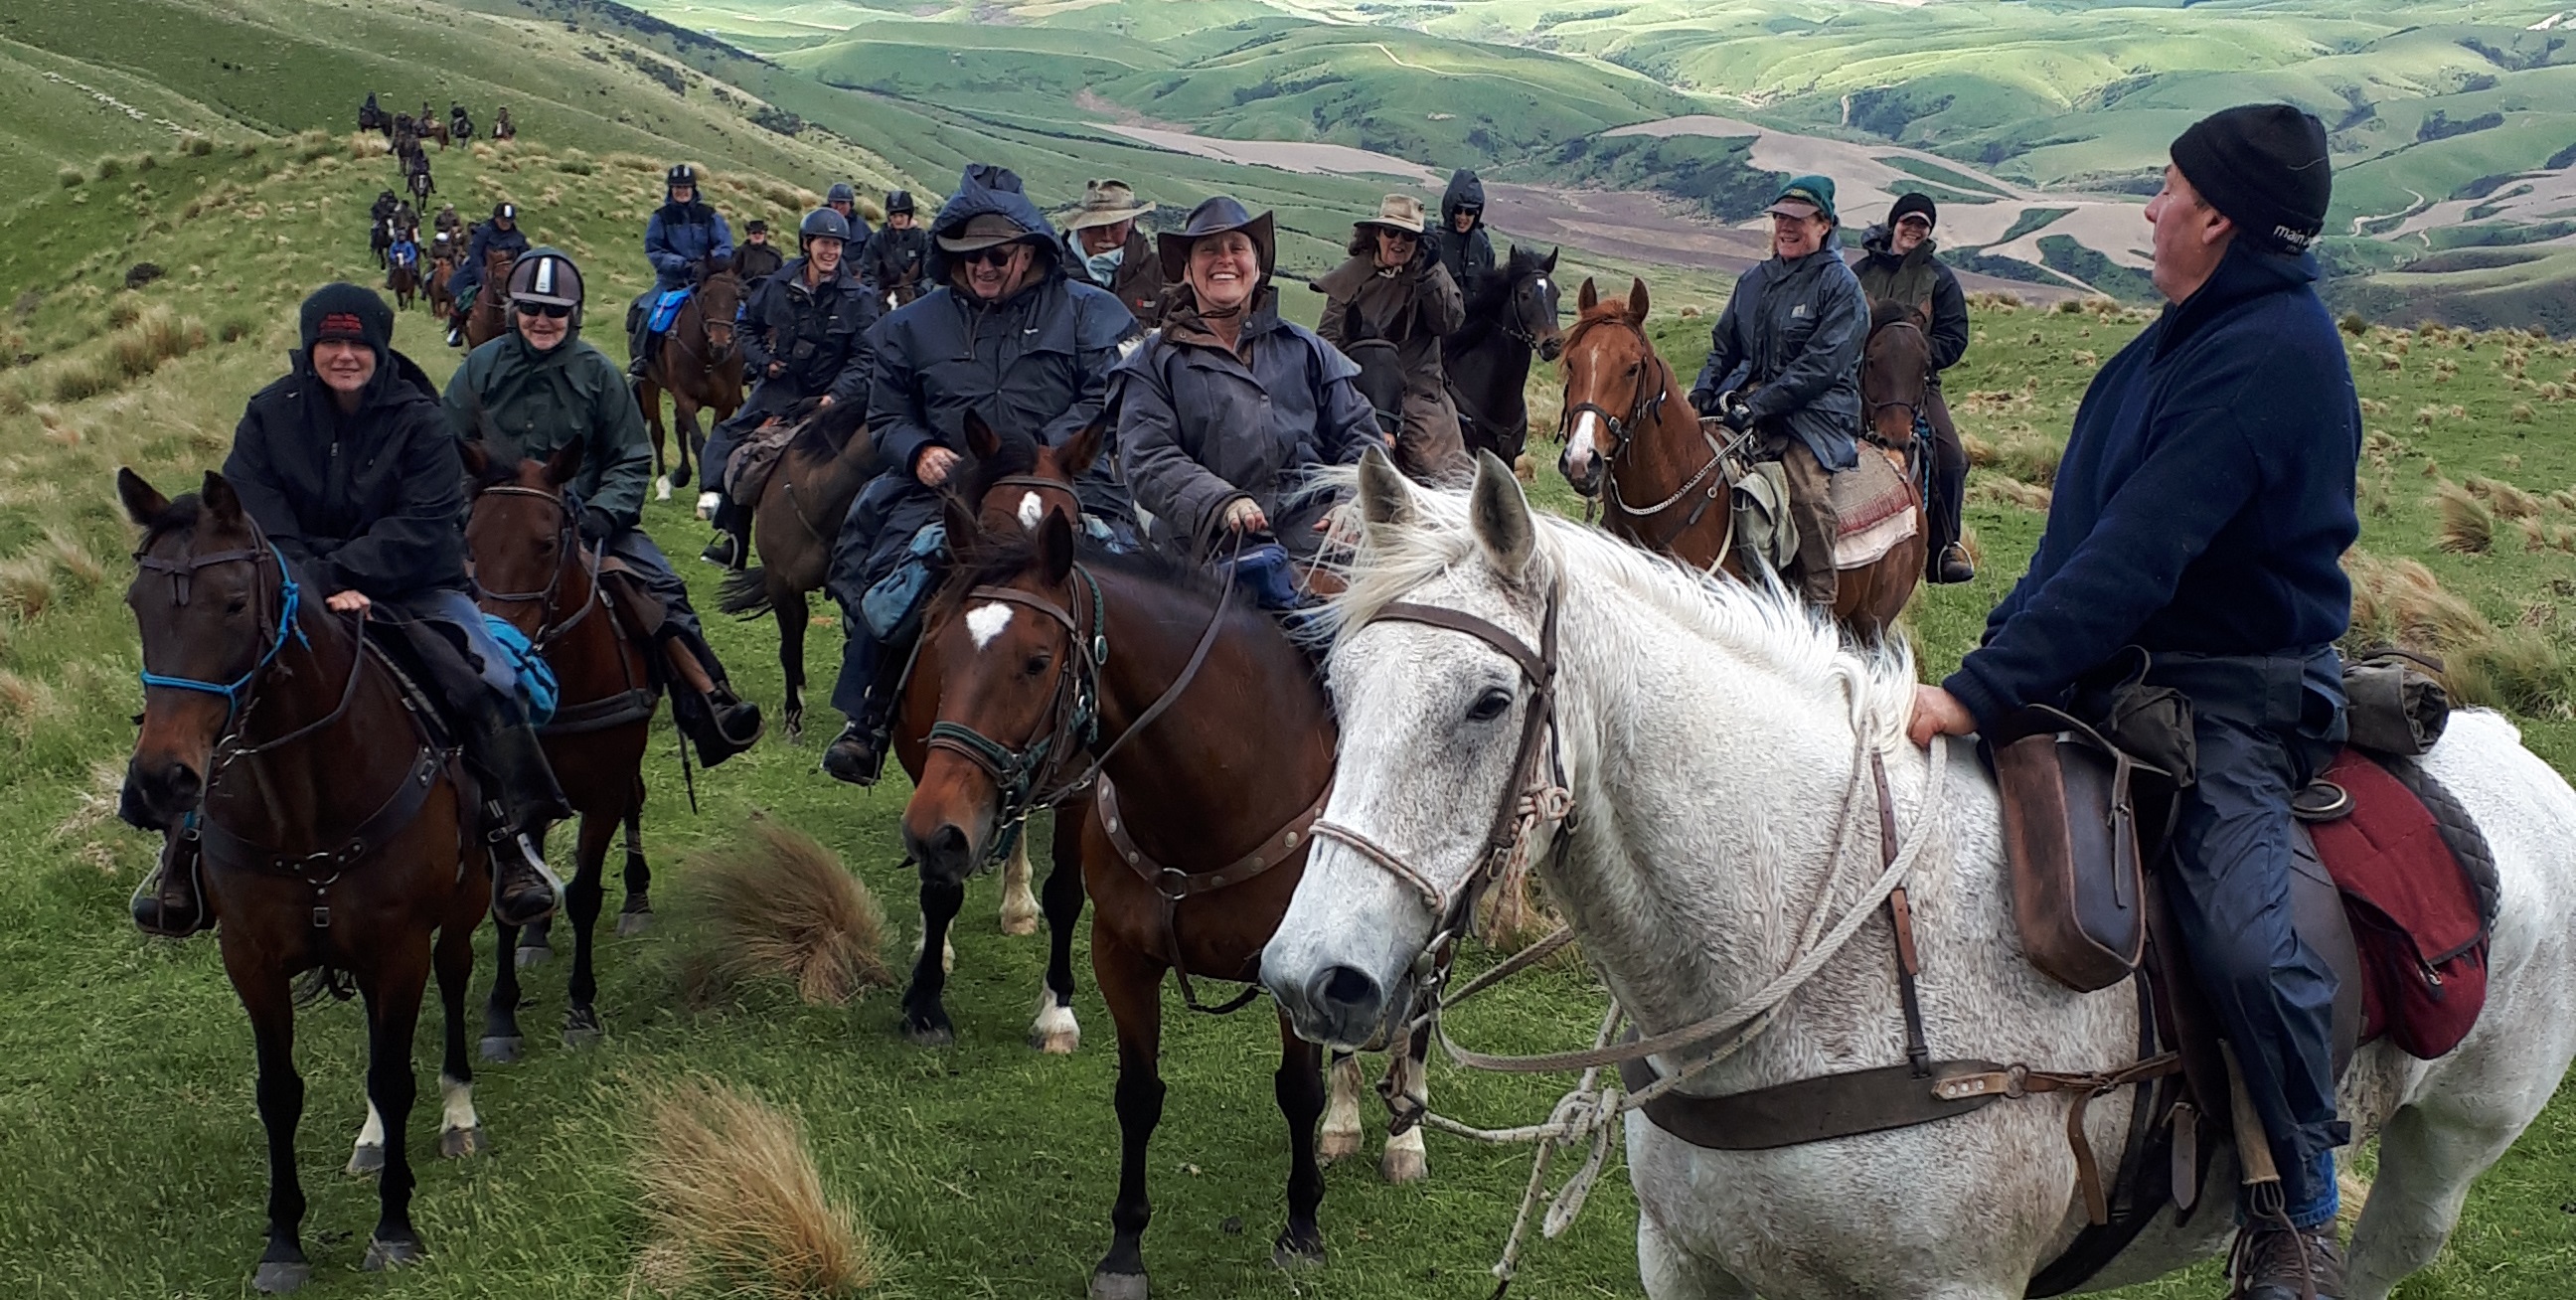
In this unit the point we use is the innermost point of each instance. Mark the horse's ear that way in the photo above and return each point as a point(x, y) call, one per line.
point(957, 515)
point(1587, 297)
point(1386, 500)
point(1636, 301)
point(1083, 447)
point(144, 504)
point(565, 463)
point(980, 438)
point(1548, 267)
point(223, 505)
point(477, 460)
point(1055, 547)
point(1501, 517)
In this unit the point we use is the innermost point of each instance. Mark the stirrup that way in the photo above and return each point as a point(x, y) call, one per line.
point(865, 767)
point(150, 906)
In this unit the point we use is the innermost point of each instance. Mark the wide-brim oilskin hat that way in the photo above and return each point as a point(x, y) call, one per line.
point(1401, 212)
point(1805, 196)
point(986, 230)
point(1105, 203)
point(1214, 217)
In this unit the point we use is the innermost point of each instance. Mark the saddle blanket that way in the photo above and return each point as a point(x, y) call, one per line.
point(747, 475)
point(1872, 511)
point(666, 308)
point(2420, 917)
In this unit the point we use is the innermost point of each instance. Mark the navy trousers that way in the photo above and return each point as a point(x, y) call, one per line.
point(654, 571)
point(2264, 728)
point(875, 537)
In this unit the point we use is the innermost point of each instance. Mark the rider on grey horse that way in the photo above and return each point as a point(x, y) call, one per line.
point(347, 467)
point(2201, 513)
point(539, 386)
point(1005, 336)
point(679, 238)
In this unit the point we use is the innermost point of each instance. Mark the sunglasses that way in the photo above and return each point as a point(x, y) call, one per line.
point(998, 255)
point(549, 310)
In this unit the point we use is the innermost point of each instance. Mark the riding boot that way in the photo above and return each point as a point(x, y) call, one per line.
point(858, 754)
point(2273, 1261)
point(731, 547)
point(520, 800)
point(168, 902)
point(720, 723)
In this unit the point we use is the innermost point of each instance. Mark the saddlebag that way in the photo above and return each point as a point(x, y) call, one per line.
point(2071, 839)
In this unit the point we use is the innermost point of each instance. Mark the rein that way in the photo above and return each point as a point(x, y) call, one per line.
point(569, 546)
point(1653, 390)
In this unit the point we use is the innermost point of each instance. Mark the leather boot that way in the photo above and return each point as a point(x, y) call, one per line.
point(858, 754)
point(2276, 1262)
point(720, 723)
point(520, 801)
point(168, 903)
point(1953, 565)
point(721, 552)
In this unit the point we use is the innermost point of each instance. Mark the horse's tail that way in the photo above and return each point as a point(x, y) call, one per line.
point(744, 592)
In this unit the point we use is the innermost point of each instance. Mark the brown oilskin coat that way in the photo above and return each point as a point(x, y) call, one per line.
point(1139, 281)
point(1413, 309)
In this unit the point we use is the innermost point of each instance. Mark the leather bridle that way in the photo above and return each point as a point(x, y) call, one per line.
point(1711, 480)
point(1913, 408)
point(568, 552)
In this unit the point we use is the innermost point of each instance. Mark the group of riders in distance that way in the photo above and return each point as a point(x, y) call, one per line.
point(1002, 442)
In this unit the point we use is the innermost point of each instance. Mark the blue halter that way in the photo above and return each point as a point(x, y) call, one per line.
point(290, 596)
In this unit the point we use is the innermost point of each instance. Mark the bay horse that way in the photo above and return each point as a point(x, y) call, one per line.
point(818, 474)
point(330, 824)
point(490, 313)
point(1710, 736)
point(416, 179)
point(432, 127)
point(1632, 440)
point(434, 290)
point(524, 545)
point(404, 280)
point(1511, 319)
point(1057, 664)
point(699, 363)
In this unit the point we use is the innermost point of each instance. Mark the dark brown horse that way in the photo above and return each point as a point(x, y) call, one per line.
point(439, 269)
point(1666, 483)
point(1052, 662)
point(1512, 318)
point(275, 735)
point(818, 474)
point(699, 363)
point(529, 568)
point(404, 280)
point(490, 313)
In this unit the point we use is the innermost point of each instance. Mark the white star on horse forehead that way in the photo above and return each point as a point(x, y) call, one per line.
point(1031, 512)
point(984, 622)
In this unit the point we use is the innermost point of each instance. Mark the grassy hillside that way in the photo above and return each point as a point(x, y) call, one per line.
point(983, 1169)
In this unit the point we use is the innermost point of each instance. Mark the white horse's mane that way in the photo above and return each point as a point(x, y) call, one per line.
point(1760, 622)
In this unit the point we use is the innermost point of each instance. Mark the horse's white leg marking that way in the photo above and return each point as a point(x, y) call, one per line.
point(372, 1133)
point(661, 487)
point(1582, 444)
point(1405, 1160)
point(1055, 1033)
point(947, 950)
point(1019, 906)
point(1341, 1135)
point(456, 1106)
point(984, 622)
point(1031, 511)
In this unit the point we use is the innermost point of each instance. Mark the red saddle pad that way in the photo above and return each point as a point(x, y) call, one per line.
point(2415, 917)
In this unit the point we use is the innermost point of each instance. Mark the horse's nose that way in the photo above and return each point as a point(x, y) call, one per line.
point(1579, 474)
point(946, 854)
point(1346, 1003)
point(156, 795)
point(1549, 349)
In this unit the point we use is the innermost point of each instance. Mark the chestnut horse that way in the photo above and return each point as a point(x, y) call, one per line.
point(275, 736)
point(699, 363)
point(818, 474)
point(524, 544)
point(1055, 666)
point(1633, 440)
point(490, 313)
point(434, 292)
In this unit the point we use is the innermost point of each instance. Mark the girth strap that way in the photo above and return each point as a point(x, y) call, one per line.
point(389, 818)
point(607, 711)
point(1173, 885)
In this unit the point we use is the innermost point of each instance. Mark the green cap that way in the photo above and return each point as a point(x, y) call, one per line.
point(1804, 195)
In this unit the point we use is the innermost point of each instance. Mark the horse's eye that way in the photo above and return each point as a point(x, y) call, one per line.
point(236, 605)
point(1036, 664)
point(1490, 705)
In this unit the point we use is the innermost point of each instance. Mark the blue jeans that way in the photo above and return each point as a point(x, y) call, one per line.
point(455, 609)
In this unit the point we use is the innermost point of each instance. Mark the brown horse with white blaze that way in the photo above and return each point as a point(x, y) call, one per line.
point(1666, 481)
point(276, 737)
point(699, 363)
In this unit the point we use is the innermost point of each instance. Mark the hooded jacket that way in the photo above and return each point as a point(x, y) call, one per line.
point(821, 333)
point(1200, 425)
point(373, 501)
point(1468, 258)
point(680, 236)
point(1796, 328)
point(755, 263)
point(2205, 499)
point(1920, 280)
point(527, 404)
point(1138, 281)
point(1037, 361)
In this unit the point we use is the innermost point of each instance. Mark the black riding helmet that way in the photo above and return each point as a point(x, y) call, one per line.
point(823, 223)
point(898, 201)
point(679, 175)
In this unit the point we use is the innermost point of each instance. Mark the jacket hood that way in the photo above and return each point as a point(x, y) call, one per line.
point(1465, 191)
point(985, 189)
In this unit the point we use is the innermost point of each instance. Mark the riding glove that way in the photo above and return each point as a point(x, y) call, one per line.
point(597, 525)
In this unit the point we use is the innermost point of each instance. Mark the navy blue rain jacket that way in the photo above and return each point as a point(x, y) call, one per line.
point(820, 333)
point(488, 238)
point(2205, 499)
point(679, 237)
point(1796, 328)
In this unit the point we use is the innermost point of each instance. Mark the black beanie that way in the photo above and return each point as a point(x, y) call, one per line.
point(347, 311)
point(2264, 167)
point(1913, 201)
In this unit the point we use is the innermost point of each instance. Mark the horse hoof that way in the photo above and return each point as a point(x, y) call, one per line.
point(581, 1028)
point(383, 1254)
point(1059, 1042)
point(1117, 1286)
point(707, 503)
point(1337, 1144)
point(1290, 1253)
point(458, 1143)
point(278, 1279)
point(662, 488)
point(366, 1160)
point(530, 958)
point(930, 1036)
point(1020, 927)
point(631, 924)
point(1403, 1165)
point(680, 477)
point(501, 1051)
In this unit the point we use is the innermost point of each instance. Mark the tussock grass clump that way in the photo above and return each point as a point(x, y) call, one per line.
point(2519, 669)
point(2027, 456)
point(1981, 453)
point(79, 378)
point(776, 903)
point(157, 335)
point(69, 177)
point(2468, 525)
point(2400, 602)
point(27, 585)
point(2508, 501)
point(733, 1198)
point(2353, 324)
point(73, 558)
point(2521, 413)
point(2007, 490)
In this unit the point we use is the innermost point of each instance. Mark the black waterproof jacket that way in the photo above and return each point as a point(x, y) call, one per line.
point(372, 501)
point(1468, 258)
point(1920, 280)
point(1796, 329)
point(821, 333)
point(895, 259)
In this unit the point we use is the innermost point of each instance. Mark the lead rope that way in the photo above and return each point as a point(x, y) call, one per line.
point(1588, 1111)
